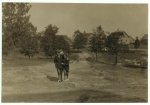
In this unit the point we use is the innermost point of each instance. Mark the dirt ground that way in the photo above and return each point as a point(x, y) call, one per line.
point(23, 81)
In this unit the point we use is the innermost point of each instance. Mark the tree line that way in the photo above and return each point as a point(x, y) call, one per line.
point(18, 33)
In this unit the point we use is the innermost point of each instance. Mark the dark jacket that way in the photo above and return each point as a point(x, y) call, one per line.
point(65, 61)
point(61, 62)
point(58, 62)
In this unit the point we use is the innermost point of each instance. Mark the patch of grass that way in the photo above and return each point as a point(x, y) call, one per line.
point(83, 98)
point(77, 96)
point(107, 58)
point(23, 61)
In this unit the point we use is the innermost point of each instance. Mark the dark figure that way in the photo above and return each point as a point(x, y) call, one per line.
point(62, 65)
point(65, 64)
point(58, 65)
point(137, 43)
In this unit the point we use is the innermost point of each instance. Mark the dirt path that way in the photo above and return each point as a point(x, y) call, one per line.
point(86, 84)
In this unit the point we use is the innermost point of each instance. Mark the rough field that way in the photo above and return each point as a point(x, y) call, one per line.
point(35, 80)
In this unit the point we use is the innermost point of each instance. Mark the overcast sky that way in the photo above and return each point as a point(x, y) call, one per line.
point(132, 18)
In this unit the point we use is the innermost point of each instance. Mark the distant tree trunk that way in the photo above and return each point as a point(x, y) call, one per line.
point(51, 56)
point(96, 55)
point(29, 56)
point(116, 58)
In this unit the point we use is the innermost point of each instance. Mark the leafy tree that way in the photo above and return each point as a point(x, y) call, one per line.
point(79, 40)
point(48, 40)
point(101, 38)
point(61, 42)
point(136, 43)
point(15, 23)
point(94, 44)
point(6, 45)
point(30, 46)
point(115, 45)
point(39, 37)
point(97, 41)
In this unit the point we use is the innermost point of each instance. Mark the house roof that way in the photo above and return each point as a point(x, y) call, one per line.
point(145, 37)
point(119, 34)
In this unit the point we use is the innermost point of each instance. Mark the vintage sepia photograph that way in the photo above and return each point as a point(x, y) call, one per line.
point(74, 53)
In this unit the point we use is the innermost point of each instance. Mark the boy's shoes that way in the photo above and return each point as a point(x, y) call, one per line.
point(59, 80)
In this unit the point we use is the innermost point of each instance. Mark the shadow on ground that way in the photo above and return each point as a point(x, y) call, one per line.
point(78, 96)
point(52, 78)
